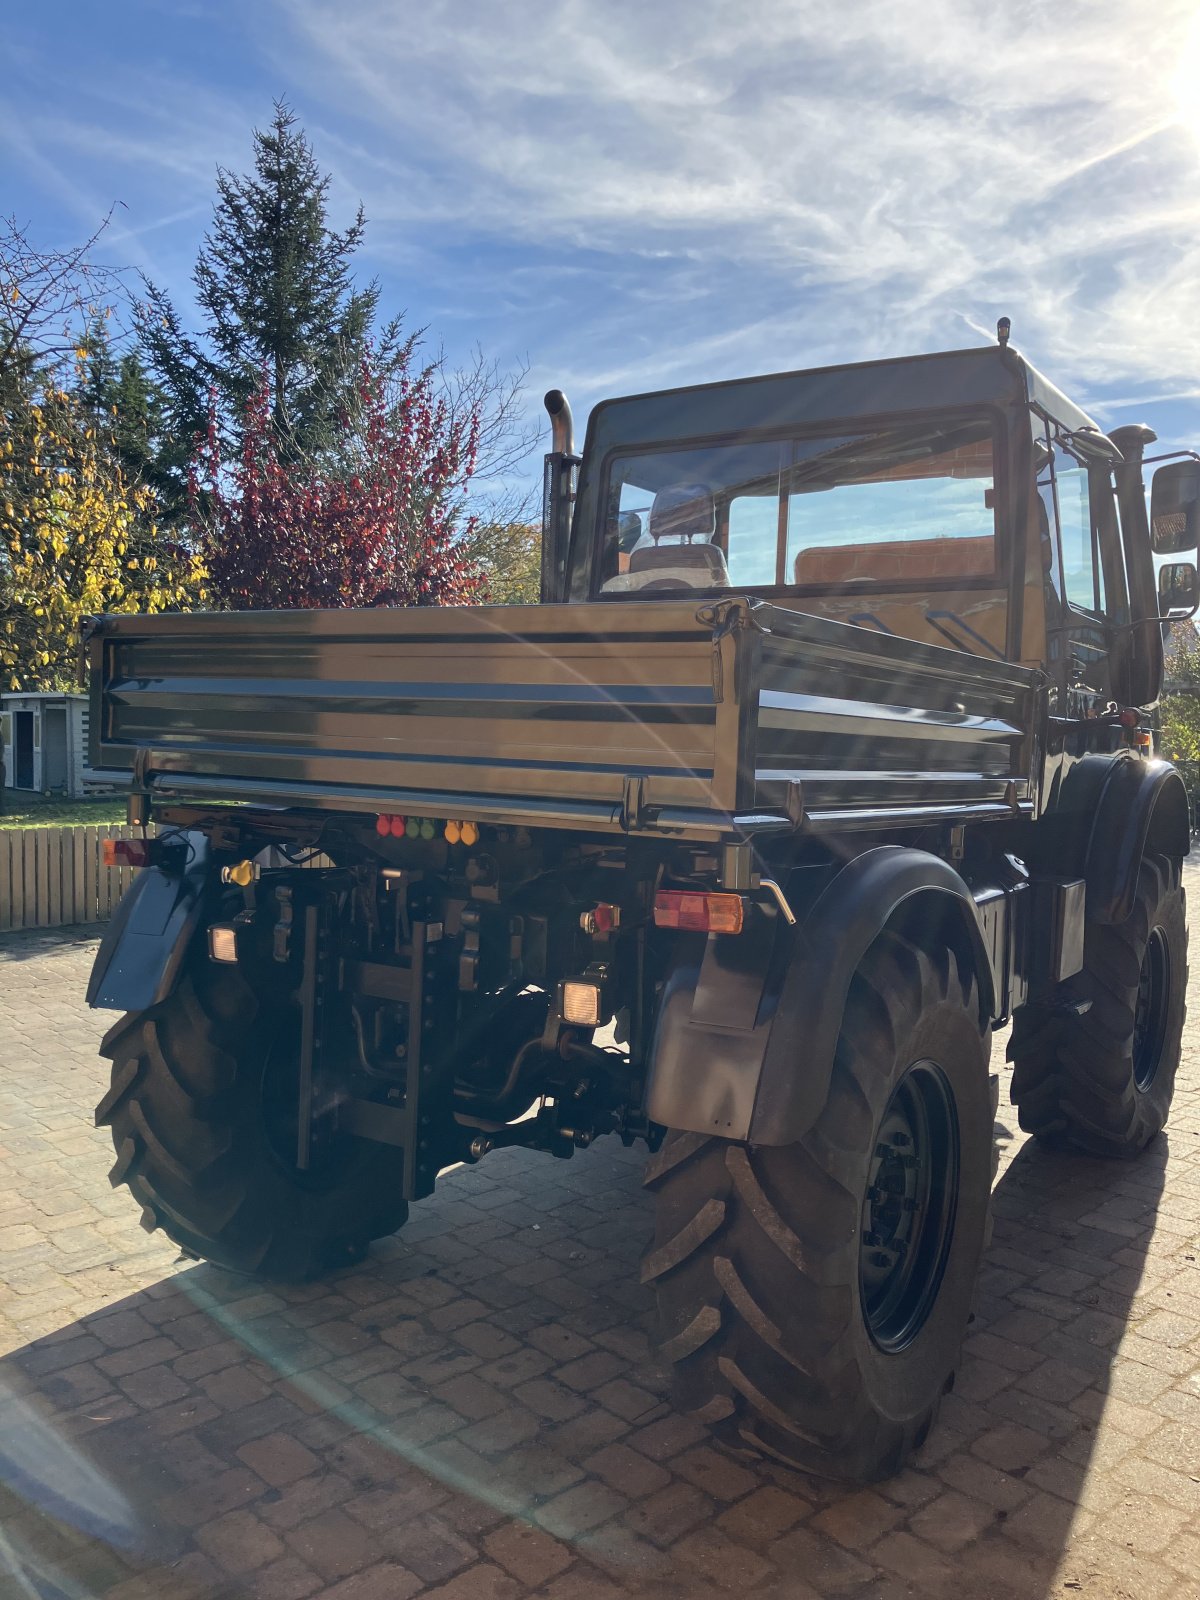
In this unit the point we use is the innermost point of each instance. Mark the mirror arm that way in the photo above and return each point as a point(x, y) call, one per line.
point(1173, 455)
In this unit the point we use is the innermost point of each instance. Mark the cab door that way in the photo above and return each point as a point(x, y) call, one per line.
point(1086, 594)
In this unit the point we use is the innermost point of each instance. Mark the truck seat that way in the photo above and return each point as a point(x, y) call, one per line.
point(685, 515)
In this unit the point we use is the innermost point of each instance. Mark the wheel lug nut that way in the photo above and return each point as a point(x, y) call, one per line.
point(881, 1259)
point(900, 1140)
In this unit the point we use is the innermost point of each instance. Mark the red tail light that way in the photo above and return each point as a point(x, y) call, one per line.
point(699, 913)
point(126, 852)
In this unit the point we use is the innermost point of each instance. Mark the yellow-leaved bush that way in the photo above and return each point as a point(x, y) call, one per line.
point(75, 540)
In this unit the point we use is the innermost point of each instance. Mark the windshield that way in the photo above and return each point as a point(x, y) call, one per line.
point(908, 505)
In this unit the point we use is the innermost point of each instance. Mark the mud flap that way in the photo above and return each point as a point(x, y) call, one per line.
point(139, 958)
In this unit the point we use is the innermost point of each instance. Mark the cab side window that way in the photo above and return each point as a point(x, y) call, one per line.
point(1066, 492)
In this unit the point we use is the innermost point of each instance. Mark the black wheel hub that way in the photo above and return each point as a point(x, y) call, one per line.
point(909, 1208)
point(1150, 1014)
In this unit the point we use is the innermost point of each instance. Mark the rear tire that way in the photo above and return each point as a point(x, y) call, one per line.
point(1102, 1079)
point(787, 1314)
point(198, 1109)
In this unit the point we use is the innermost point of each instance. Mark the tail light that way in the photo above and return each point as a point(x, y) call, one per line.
point(125, 852)
point(692, 912)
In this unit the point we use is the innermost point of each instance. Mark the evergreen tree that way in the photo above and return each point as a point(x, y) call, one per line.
point(126, 406)
point(273, 283)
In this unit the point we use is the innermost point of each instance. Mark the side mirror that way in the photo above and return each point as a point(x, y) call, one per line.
point(1175, 508)
point(1178, 590)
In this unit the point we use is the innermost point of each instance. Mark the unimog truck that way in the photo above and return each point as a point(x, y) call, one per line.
point(828, 751)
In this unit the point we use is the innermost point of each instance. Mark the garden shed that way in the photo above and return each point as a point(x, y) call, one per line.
point(45, 742)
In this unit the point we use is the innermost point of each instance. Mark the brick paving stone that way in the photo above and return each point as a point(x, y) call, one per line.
point(477, 1411)
point(386, 1580)
point(430, 1547)
point(857, 1519)
point(722, 1561)
point(828, 1568)
point(278, 1459)
point(529, 1554)
point(952, 1520)
point(715, 1473)
point(579, 1509)
point(672, 1512)
point(332, 1544)
point(482, 1582)
point(286, 1579)
point(764, 1515)
point(239, 1542)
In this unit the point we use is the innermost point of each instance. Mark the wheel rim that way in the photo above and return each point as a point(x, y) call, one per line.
point(909, 1209)
point(1150, 1015)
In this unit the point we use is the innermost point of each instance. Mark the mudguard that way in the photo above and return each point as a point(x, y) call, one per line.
point(140, 956)
point(1143, 806)
point(748, 1024)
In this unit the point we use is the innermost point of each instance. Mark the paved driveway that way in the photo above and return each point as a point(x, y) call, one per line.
point(476, 1413)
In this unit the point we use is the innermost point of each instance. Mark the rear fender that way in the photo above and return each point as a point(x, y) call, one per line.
point(748, 1024)
point(141, 954)
point(1143, 808)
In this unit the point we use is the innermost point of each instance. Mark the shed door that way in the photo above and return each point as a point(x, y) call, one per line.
point(22, 750)
point(54, 749)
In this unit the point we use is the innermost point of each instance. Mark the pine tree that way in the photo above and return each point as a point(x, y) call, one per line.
point(126, 406)
point(274, 285)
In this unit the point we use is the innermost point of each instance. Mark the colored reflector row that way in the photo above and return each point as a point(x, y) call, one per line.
point(699, 913)
point(454, 832)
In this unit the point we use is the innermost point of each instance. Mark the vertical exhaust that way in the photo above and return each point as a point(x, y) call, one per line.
point(562, 425)
point(558, 497)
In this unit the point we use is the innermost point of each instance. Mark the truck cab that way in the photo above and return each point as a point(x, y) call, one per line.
point(959, 499)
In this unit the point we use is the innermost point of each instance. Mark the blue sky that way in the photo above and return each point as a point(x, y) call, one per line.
point(630, 195)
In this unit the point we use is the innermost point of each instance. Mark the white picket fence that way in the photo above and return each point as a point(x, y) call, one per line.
point(51, 877)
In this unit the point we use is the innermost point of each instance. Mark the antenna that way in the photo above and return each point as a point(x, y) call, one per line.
point(1003, 329)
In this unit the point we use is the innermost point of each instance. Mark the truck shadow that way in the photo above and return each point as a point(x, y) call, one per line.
point(493, 1368)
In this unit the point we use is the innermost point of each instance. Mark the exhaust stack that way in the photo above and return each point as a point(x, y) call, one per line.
point(562, 424)
point(558, 497)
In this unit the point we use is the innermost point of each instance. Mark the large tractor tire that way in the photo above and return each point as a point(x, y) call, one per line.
point(203, 1112)
point(814, 1297)
point(1097, 1070)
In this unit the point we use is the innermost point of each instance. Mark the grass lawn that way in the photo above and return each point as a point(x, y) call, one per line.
point(21, 809)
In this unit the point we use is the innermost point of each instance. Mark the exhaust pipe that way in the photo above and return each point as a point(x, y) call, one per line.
point(562, 425)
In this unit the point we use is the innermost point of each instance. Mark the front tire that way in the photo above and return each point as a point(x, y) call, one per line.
point(1098, 1071)
point(814, 1297)
point(202, 1089)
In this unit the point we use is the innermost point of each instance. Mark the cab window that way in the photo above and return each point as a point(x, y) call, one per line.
point(910, 506)
point(1065, 487)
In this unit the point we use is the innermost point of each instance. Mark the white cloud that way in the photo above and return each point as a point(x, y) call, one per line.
point(637, 193)
point(816, 181)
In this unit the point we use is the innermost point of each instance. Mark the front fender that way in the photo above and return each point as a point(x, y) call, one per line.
point(748, 1025)
point(138, 962)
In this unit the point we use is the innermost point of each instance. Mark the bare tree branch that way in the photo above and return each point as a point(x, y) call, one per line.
point(47, 296)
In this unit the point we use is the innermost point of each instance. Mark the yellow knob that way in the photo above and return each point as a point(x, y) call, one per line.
point(452, 831)
point(469, 832)
point(242, 874)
